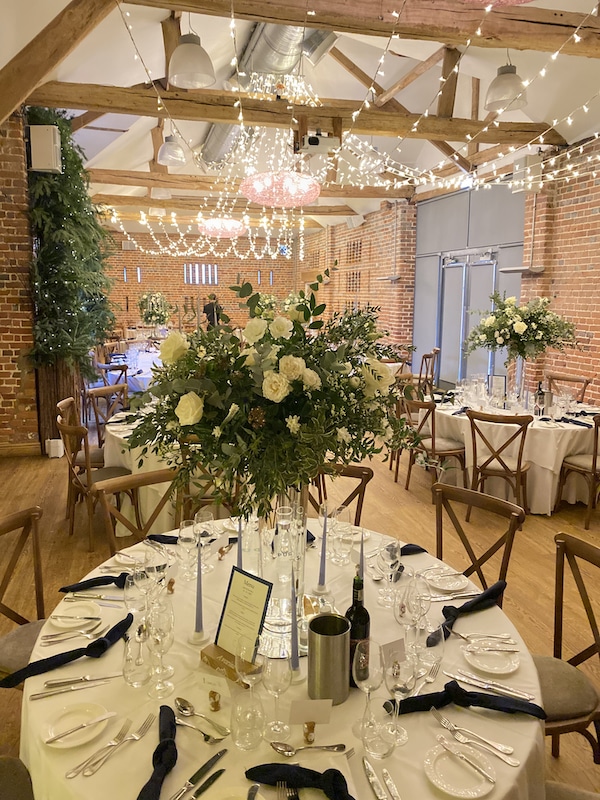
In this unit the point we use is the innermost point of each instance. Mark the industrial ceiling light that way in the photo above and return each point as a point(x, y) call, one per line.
point(506, 91)
point(170, 153)
point(190, 66)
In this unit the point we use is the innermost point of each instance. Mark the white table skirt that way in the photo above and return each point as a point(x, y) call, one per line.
point(546, 446)
point(124, 775)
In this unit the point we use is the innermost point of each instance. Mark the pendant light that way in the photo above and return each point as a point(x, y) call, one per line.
point(190, 66)
point(506, 91)
point(170, 153)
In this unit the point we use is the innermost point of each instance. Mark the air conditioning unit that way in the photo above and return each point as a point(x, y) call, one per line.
point(44, 149)
point(315, 143)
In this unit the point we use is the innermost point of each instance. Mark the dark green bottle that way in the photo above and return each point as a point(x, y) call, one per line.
point(360, 621)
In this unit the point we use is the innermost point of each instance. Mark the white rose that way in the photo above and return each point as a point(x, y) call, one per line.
point(281, 328)
point(520, 327)
point(292, 367)
point(311, 380)
point(173, 347)
point(251, 357)
point(489, 321)
point(482, 338)
point(500, 340)
point(376, 376)
point(255, 330)
point(354, 381)
point(344, 435)
point(293, 423)
point(190, 409)
point(511, 301)
point(275, 387)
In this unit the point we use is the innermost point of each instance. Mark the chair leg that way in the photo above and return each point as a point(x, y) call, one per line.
point(593, 741)
point(555, 745)
point(398, 454)
point(72, 515)
point(411, 461)
point(90, 509)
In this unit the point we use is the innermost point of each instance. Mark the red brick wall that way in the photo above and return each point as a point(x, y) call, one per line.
point(18, 411)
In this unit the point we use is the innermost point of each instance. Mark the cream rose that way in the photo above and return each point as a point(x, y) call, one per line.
point(491, 320)
point(311, 380)
point(292, 367)
point(377, 376)
point(255, 330)
point(511, 301)
point(275, 387)
point(190, 409)
point(520, 327)
point(281, 328)
point(173, 347)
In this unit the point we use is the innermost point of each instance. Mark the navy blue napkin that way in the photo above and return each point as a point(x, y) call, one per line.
point(95, 649)
point(162, 538)
point(92, 583)
point(453, 693)
point(579, 422)
point(310, 537)
point(411, 550)
point(332, 782)
point(486, 599)
point(460, 410)
point(164, 757)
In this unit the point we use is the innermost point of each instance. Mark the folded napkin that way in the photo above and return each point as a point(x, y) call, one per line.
point(486, 599)
point(453, 693)
point(92, 583)
point(411, 550)
point(161, 538)
point(164, 757)
point(310, 537)
point(460, 410)
point(579, 422)
point(95, 649)
point(332, 782)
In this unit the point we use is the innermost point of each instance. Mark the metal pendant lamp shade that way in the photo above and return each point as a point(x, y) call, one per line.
point(190, 66)
point(170, 153)
point(506, 91)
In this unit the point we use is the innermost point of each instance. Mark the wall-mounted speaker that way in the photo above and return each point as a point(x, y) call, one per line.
point(44, 149)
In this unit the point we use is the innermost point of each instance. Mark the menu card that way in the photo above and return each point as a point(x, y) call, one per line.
point(244, 608)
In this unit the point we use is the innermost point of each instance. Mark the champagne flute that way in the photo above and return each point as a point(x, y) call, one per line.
point(388, 563)
point(277, 677)
point(204, 527)
point(418, 599)
point(161, 635)
point(400, 677)
point(249, 661)
point(187, 542)
point(367, 671)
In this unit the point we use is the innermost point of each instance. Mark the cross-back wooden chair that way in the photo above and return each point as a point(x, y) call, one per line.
point(362, 476)
point(16, 646)
point(570, 698)
point(436, 449)
point(82, 475)
point(200, 490)
point(105, 402)
point(588, 466)
point(494, 439)
point(426, 378)
point(452, 498)
point(107, 492)
point(559, 381)
point(67, 409)
point(14, 779)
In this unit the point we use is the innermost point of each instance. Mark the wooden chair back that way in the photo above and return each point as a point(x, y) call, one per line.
point(27, 522)
point(426, 379)
point(559, 381)
point(448, 498)
point(105, 402)
point(67, 409)
point(362, 476)
point(106, 493)
point(75, 441)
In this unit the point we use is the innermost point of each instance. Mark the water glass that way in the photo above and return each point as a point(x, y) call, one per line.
point(137, 670)
point(400, 677)
point(205, 532)
point(161, 634)
point(377, 735)
point(249, 662)
point(277, 677)
point(187, 543)
point(343, 532)
point(135, 599)
point(247, 720)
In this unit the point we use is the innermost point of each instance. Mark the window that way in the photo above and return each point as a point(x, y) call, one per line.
point(353, 282)
point(353, 251)
point(139, 274)
point(258, 277)
point(271, 277)
point(207, 274)
point(124, 274)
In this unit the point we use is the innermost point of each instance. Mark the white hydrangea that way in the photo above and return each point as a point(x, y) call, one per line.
point(343, 435)
point(293, 423)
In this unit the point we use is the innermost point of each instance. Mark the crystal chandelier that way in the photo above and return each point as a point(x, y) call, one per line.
point(282, 189)
point(222, 227)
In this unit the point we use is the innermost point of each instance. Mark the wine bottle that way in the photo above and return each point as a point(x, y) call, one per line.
point(360, 621)
point(538, 408)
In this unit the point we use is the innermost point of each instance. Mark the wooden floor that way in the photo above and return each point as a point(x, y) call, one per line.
point(388, 508)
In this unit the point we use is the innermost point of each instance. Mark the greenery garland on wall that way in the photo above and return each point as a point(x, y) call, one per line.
point(72, 311)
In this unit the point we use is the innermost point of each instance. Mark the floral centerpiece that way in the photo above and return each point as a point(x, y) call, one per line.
point(269, 410)
point(525, 331)
point(154, 308)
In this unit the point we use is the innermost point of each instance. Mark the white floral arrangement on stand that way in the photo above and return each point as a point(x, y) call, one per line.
point(154, 308)
point(269, 410)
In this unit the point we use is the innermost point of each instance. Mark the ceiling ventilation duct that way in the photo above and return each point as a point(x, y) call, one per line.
point(272, 49)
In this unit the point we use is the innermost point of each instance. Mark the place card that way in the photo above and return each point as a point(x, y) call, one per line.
point(317, 711)
point(396, 646)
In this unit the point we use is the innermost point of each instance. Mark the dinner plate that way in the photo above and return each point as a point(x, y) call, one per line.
point(453, 776)
point(128, 559)
point(446, 580)
point(86, 608)
point(69, 717)
point(494, 663)
point(235, 793)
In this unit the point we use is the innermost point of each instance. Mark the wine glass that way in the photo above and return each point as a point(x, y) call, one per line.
point(367, 671)
point(327, 514)
point(343, 532)
point(418, 599)
point(157, 563)
point(142, 580)
point(400, 677)
point(388, 563)
point(249, 662)
point(204, 527)
point(187, 543)
point(277, 677)
point(161, 623)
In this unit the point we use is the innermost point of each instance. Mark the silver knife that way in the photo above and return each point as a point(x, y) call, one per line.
point(454, 749)
point(86, 596)
point(518, 692)
point(76, 688)
point(481, 684)
point(378, 790)
point(391, 786)
point(72, 616)
point(435, 598)
point(53, 684)
point(200, 773)
point(477, 648)
point(81, 726)
point(253, 791)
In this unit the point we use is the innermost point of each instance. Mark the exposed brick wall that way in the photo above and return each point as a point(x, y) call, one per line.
point(18, 411)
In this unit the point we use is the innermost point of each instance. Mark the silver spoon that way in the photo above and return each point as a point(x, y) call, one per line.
point(187, 709)
point(287, 750)
point(140, 636)
point(207, 737)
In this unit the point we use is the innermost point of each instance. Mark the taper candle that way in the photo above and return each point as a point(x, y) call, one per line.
point(199, 627)
point(323, 553)
point(294, 659)
point(361, 561)
point(239, 544)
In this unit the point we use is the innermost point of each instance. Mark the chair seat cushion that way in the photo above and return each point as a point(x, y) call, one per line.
point(496, 466)
point(96, 457)
point(442, 444)
point(105, 474)
point(16, 647)
point(560, 791)
point(566, 691)
point(14, 779)
point(580, 461)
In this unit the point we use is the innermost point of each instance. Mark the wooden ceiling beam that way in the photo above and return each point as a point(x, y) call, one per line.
point(449, 21)
point(46, 50)
point(195, 204)
point(114, 177)
point(447, 95)
point(420, 69)
point(215, 105)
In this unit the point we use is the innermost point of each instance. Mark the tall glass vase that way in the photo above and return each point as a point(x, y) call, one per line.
point(516, 382)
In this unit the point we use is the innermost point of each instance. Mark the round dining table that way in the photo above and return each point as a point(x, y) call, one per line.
point(123, 776)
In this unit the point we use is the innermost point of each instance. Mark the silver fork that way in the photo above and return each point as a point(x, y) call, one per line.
point(429, 678)
point(113, 742)
point(49, 636)
point(208, 738)
point(95, 635)
point(453, 729)
point(292, 793)
point(281, 790)
point(133, 737)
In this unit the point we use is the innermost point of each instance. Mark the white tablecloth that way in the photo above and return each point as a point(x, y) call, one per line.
point(546, 446)
point(125, 774)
